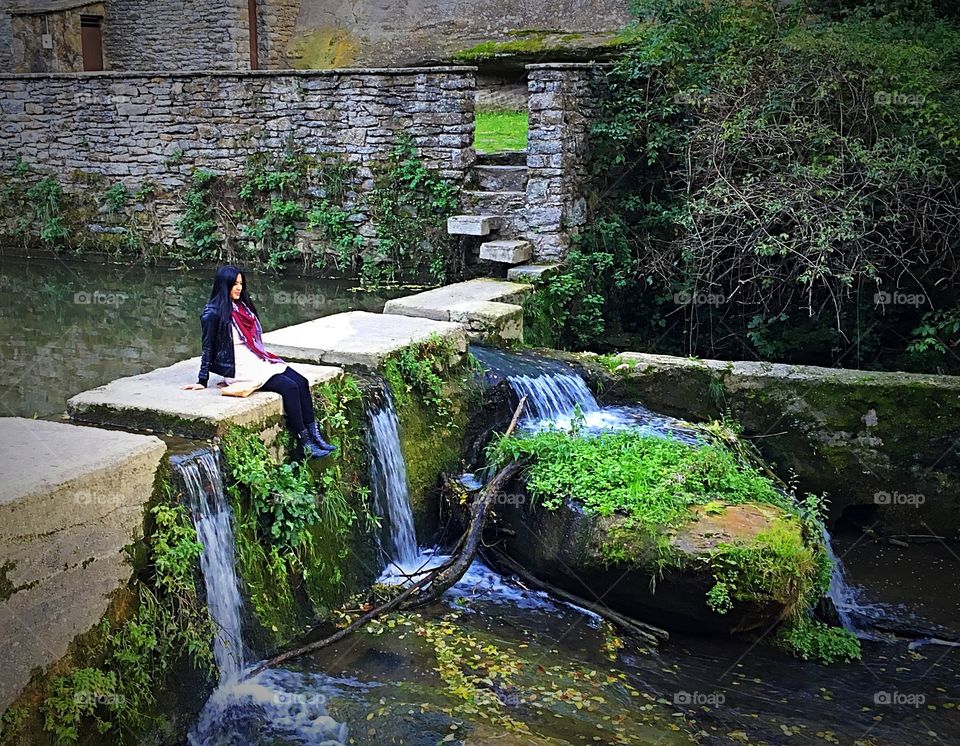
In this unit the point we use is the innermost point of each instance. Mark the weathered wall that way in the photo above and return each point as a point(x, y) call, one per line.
point(71, 499)
point(6, 36)
point(176, 35)
point(66, 56)
point(276, 23)
point(341, 32)
point(561, 105)
point(881, 445)
point(160, 128)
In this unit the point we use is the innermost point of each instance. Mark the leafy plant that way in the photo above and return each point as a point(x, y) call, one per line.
point(198, 226)
point(409, 205)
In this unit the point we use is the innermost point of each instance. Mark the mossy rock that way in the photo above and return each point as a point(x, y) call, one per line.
point(610, 559)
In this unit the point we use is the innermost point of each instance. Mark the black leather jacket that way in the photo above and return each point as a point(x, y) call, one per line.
point(217, 354)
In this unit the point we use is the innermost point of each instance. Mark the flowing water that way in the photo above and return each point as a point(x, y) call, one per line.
point(388, 483)
point(213, 520)
point(418, 679)
point(276, 706)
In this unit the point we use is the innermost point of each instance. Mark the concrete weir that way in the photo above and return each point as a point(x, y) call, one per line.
point(156, 402)
point(359, 338)
point(71, 499)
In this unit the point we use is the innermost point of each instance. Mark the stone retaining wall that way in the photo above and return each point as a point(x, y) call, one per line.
point(154, 127)
point(561, 106)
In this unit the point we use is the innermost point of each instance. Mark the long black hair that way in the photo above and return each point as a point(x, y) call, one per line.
point(220, 294)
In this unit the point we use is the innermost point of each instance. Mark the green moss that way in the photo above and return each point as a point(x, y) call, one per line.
point(302, 529)
point(645, 492)
point(7, 587)
point(430, 391)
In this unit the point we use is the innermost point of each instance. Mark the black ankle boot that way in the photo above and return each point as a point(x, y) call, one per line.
point(318, 438)
point(310, 449)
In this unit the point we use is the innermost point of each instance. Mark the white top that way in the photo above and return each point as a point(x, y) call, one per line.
point(250, 367)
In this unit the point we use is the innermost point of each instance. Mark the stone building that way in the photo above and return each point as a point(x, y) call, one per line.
point(140, 35)
point(169, 35)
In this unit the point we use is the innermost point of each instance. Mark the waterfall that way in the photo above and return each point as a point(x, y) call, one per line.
point(388, 482)
point(213, 521)
point(553, 396)
point(554, 390)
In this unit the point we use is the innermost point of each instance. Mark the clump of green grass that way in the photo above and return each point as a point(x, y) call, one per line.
point(651, 479)
point(499, 131)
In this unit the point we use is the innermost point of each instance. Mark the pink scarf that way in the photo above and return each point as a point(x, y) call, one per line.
point(249, 327)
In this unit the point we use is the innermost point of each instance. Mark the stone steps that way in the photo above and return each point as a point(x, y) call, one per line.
point(514, 251)
point(472, 225)
point(500, 178)
point(531, 272)
point(503, 158)
point(495, 203)
point(360, 338)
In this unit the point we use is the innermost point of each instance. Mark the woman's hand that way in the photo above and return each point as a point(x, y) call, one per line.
point(193, 387)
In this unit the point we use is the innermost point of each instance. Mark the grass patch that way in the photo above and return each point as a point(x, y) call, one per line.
point(499, 131)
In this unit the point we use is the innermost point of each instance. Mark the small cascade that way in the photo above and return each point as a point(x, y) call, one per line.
point(555, 390)
point(854, 614)
point(213, 520)
point(388, 481)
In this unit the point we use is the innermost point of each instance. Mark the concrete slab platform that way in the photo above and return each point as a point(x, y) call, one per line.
point(71, 500)
point(359, 338)
point(154, 402)
point(489, 309)
point(489, 322)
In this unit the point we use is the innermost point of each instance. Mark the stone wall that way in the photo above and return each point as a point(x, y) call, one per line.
point(561, 105)
point(176, 35)
point(66, 54)
point(159, 128)
point(276, 22)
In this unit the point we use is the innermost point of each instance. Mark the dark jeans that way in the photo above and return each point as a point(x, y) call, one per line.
point(297, 401)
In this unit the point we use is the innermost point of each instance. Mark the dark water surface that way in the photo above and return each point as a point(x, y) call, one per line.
point(71, 326)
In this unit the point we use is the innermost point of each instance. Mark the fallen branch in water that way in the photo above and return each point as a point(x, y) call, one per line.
point(437, 580)
point(641, 630)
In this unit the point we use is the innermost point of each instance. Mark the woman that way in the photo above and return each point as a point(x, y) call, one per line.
point(233, 348)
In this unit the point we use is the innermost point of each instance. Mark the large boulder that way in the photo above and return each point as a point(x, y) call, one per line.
point(605, 559)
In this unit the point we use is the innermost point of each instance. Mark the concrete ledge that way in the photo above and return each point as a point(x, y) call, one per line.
point(489, 309)
point(154, 402)
point(359, 338)
point(71, 500)
point(882, 444)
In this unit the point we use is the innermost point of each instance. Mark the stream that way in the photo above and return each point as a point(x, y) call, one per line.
point(419, 678)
